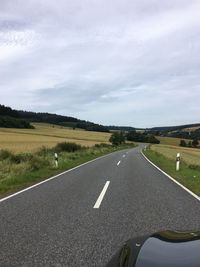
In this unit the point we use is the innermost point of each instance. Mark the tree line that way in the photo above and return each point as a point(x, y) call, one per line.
point(11, 122)
point(180, 133)
point(62, 121)
point(194, 143)
point(10, 118)
point(21, 119)
point(118, 138)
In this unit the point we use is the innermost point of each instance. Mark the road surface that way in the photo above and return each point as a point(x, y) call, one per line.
point(82, 217)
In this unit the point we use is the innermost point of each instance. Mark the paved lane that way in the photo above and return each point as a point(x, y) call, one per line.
point(56, 224)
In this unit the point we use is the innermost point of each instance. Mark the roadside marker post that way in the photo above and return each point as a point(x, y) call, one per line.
point(56, 159)
point(178, 159)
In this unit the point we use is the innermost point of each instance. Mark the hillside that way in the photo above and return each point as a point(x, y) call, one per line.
point(175, 128)
point(61, 120)
point(188, 131)
point(11, 122)
point(21, 119)
point(70, 122)
point(11, 118)
point(120, 128)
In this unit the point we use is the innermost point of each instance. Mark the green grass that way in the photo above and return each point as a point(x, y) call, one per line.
point(189, 175)
point(18, 171)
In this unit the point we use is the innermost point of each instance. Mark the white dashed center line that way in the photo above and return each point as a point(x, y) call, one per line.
point(101, 196)
point(118, 163)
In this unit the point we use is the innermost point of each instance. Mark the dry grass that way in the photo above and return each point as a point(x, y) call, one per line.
point(170, 140)
point(28, 140)
point(188, 155)
point(191, 129)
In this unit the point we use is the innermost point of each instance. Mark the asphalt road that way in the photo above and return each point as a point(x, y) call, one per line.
point(56, 224)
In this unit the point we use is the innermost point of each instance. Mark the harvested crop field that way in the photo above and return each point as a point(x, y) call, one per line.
point(188, 155)
point(28, 140)
point(170, 140)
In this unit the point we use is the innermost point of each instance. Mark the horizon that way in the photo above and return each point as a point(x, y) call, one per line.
point(114, 125)
point(117, 63)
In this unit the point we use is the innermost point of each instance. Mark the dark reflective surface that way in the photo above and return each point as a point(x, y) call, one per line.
point(162, 249)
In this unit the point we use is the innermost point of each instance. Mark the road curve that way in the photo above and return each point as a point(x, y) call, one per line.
point(82, 217)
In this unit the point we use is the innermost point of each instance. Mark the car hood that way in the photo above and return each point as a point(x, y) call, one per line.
point(162, 249)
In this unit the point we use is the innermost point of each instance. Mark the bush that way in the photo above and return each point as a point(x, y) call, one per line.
point(142, 137)
point(37, 162)
point(152, 139)
point(183, 143)
point(195, 142)
point(5, 154)
point(189, 144)
point(117, 138)
point(194, 167)
point(43, 151)
point(102, 145)
point(23, 157)
point(68, 147)
point(16, 158)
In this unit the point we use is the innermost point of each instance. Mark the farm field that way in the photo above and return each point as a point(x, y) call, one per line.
point(48, 135)
point(191, 129)
point(170, 140)
point(188, 155)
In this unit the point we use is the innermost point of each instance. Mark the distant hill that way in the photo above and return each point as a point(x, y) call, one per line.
point(11, 122)
point(61, 120)
point(188, 131)
point(7, 111)
point(21, 119)
point(174, 128)
point(10, 118)
point(120, 128)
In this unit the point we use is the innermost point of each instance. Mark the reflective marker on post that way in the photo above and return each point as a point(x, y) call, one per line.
point(178, 159)
point(56, 159)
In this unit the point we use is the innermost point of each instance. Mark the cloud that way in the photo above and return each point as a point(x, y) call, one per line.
point(114, 62)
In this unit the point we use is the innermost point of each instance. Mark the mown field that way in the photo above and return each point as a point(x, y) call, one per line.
point(30, 140)
point(190, 156)
point(170, 140)
point(164, 156)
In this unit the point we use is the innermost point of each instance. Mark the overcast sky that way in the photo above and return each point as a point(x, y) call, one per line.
point(115, 62)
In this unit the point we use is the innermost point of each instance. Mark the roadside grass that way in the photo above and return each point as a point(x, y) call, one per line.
point(48, 135)
point(189, 174)
point(18, 171)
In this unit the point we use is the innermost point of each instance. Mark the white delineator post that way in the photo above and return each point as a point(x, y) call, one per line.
point(178, 159)
point(56, 159)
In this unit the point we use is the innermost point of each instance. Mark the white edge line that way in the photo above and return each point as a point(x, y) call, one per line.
point(182, 186)
point(51, 178)
point(118, 163)
point(101, 196)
